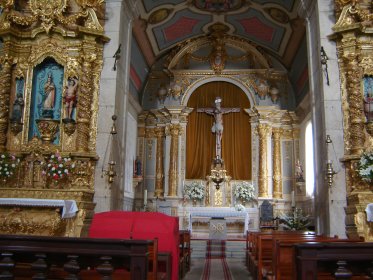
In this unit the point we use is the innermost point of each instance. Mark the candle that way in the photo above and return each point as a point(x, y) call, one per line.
point(145, 196)
point(292, 199)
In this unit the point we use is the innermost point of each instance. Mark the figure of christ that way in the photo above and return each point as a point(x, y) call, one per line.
point(217, 127)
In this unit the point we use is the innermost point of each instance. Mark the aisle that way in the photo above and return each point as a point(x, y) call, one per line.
point(214, 265)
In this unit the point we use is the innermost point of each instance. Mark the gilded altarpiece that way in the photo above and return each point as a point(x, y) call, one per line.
point(51, 61)
point(353, 34)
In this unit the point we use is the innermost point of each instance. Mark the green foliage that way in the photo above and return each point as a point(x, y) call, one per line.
point(295, 221)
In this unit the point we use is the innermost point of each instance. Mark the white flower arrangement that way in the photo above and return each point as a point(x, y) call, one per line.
point(58, 167)
point(8, 165)
point(245, 191)
point(239, 207)
point(194, 190)
point(365, 167)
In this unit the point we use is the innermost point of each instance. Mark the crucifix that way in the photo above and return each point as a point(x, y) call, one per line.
point(217, 127)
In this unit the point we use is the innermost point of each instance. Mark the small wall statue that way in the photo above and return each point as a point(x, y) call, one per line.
point(49, 96)
point(17, 112)
point(70, 98)
point(299, 172)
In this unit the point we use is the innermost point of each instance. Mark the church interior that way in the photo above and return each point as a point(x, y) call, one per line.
point(138, 131)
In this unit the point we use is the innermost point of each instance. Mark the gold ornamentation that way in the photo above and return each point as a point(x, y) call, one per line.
point(277, 174)
point(159, 15)
point(159, 186)
point(69, 128)
point(263, 132)
point(31, 221)
point(48, 129)
point(16, 127)
point(174, 130)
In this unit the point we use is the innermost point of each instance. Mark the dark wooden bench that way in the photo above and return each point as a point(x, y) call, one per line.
point(336, 260)
point(283, 254)
point(259, 249)
point(60, 257)
point(184, 253)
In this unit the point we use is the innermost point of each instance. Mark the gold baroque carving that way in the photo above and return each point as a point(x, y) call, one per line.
point(31, 221)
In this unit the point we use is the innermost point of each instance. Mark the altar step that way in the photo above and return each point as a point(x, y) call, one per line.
point(233, 249)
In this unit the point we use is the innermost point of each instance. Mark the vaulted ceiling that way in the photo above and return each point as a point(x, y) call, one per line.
point(273, 25)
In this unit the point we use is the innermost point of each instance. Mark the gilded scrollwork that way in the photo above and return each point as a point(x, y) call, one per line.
point(263, 132)
point(51, 13)
point(277, 175)
point(174, 130)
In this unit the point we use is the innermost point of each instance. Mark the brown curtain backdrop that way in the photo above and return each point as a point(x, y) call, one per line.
point(236, 141)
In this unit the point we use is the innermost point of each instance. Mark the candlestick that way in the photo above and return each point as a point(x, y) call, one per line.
point(292, 199)
point(145, 197)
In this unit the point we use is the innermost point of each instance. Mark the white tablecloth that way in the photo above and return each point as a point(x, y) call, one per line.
point(217, 212)
point(369, 211)
point(69, 207)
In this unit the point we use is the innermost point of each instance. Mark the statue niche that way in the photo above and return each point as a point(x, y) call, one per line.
point(46, 101)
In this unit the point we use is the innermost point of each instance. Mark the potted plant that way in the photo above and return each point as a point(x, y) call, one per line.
point(365, 167)
point(194, 191)
point(244, 191)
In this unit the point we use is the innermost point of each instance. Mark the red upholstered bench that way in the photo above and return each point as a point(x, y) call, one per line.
point(140, 225)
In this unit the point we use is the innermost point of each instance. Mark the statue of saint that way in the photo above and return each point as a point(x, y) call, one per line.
point(49, 93)
point(217, 127)
point(17, 112)
point(298, 172)
point(70, 98)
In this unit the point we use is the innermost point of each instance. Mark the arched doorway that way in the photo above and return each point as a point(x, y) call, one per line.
point(236, 141)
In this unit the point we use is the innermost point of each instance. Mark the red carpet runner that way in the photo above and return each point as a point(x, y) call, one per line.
point(216, 267)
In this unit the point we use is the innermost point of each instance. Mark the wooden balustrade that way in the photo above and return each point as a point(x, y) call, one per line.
point(40, 257)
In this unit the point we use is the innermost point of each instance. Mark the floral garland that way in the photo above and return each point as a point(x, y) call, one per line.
point(58, 167)
point(365, 167)
point(244, 191)
point(8, 164)
point(194, 190)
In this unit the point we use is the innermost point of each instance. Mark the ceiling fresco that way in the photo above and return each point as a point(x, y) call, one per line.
point(273, 25)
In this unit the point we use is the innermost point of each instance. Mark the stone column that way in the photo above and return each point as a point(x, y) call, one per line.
point(159, 169)
point(174, 131)
point(263, 130)
point(277, 173)
point(5, 76)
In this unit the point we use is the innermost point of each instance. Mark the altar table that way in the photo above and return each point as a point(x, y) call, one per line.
point(69, 207)
point(217, 212)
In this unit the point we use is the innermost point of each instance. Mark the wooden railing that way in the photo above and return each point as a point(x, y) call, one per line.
point(74, 258)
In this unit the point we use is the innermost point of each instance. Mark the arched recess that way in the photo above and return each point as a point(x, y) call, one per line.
point(236, 143)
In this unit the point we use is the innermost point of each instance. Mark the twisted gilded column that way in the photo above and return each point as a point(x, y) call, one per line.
point(159, 169)
point(355, 108)
point(263, 131)
point(174, 131)
point(277, 174)
point(85, 102)
point(5, 77)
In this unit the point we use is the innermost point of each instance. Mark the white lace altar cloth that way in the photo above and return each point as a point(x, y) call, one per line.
point(69, 207)
point(217, 212)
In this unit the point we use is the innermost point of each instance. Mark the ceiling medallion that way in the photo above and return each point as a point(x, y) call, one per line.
point(278, 15)
point(159, 16)
point(220, 6)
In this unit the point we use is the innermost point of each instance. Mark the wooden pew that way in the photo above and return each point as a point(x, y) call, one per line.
point(283, 254)
point(336, 260)
point(54, 257)
point(260, 249)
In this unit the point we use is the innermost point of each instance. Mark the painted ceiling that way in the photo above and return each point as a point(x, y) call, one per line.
point(273, 25)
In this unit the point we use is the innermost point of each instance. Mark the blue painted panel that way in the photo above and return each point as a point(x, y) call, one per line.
point(197, 30)
point(151, 4)
point(46, 95)
point(287, 4)
point(300, 63)
point(138, 60)
point(278, 34)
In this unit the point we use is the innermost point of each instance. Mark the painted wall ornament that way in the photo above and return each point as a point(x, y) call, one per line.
point(218, 5)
